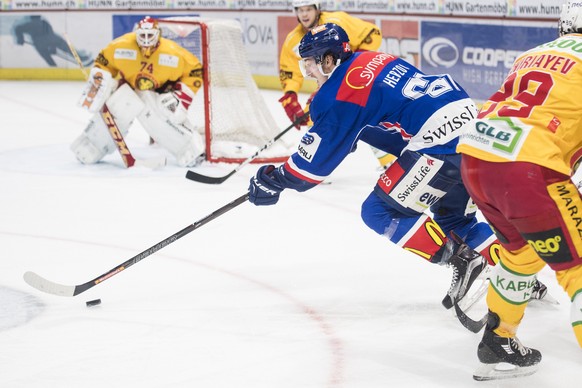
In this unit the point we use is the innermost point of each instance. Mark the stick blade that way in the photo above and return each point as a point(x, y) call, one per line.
point(194, 176)
point(36, 281)
point(470, 324)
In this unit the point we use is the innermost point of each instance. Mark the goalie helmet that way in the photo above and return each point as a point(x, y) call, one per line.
point(570, 18)
point(147, 35)
point(326, 39)
point(303, 3)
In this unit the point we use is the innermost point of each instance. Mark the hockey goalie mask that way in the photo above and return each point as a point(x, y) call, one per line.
point(570, 18)
point(327, 39)
point(147, 35)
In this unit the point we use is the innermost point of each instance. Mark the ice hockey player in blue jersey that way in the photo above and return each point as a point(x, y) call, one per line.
point(384, 101)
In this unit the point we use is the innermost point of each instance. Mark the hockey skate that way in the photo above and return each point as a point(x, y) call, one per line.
point(540, 294)
point(467, 265)
point(503, 358)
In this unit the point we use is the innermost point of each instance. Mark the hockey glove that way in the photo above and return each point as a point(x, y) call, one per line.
point(184, 94)
point(265, 188)
point(175, 103)
point(293, 109)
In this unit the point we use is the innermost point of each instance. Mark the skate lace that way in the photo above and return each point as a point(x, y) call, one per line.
point(516, 343)
point(455, 279)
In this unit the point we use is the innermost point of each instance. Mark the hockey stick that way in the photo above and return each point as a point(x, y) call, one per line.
point(470, 324)
point(114, 131)
point(76, 56)
point(121, 145)
point(217, 180)
point(51, 287)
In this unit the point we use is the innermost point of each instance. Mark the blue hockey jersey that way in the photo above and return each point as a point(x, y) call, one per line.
point(384, 101)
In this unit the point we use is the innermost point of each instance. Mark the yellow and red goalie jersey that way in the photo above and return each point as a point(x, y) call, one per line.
point(363, 36)
point(170, 62)
point(536, 116)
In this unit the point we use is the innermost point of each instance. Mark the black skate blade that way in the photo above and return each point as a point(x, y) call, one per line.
point(447, 302)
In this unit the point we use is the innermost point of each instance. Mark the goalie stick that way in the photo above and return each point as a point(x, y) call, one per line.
point(217, 180)
point(116, 135)
point(121, 145)
point(54, 288)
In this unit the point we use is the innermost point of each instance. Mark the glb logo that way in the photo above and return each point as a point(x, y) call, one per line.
point(489, 130)
point(550, 245)
point(503, 139)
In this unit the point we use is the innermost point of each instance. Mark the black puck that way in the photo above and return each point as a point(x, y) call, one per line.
point(91, 303)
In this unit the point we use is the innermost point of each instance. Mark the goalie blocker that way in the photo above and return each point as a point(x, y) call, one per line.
point(163, 116)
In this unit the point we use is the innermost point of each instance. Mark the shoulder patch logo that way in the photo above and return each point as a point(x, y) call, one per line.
point(168, 60)
point(308, 146)
point(357, 84)
point(125, 54)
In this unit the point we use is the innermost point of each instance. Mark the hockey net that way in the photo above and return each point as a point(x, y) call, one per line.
point(229, 109)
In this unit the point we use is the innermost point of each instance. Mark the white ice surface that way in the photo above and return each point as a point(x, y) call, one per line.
point(296, 295)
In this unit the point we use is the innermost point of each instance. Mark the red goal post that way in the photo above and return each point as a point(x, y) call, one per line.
point(229, 110)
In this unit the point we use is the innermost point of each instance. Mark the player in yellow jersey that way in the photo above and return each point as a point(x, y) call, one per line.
point(518, 157)
point(364, 36)
point(145, 76)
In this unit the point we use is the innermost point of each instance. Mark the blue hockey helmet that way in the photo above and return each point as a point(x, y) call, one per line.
point(326, 39)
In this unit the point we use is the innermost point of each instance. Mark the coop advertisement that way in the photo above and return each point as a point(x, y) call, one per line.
point(478, 56)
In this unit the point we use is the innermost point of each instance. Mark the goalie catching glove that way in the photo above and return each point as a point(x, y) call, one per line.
point(294, 110)
point(265, 186)
point(176, 102)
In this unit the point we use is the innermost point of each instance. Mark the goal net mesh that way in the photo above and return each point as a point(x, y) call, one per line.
point(229, 109)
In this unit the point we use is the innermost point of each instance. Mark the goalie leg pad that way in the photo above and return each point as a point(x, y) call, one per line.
point(95, 142)
point(125, 105)
point(181, 140)
point(85, 151)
